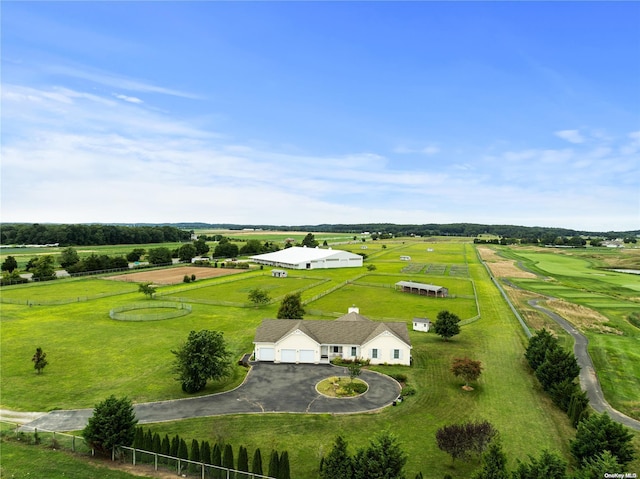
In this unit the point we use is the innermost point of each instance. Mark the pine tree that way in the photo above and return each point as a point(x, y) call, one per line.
point(216, 460)
point(337, 464)
point(227, 457)
point(138, 439)
point(283, 466)
point(256, 464)
point(205, 452)
point(194, 455)
point(273, 464)
point(243, 462)
point(494, 463)
point(165, 448)
point(148, 440)
point(175, 445)
point(156, 443)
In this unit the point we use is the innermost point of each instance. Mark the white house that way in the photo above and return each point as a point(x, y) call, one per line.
point(421, 324)
point(298, 257)
point(349, 337)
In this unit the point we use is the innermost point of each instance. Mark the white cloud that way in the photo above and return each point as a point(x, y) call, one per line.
point(84, 157)
point(572, 136)
point(427, 150)
point(130, 99)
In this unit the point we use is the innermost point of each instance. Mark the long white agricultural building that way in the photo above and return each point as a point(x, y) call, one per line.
point(309, 258)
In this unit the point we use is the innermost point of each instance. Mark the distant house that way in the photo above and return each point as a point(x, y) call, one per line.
point(298, 257)
point(278, 273)
point(201, 259)
point(349, 337)
point(421, 324)
point(422, 289)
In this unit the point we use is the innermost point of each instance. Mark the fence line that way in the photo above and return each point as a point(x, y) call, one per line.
point(77, 444)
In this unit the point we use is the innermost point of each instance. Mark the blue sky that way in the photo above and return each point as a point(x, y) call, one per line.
point(291, 113)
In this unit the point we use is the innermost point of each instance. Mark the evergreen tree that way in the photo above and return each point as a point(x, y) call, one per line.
point(227, 457)
point(205, 452)
point(283, 466)
point(578, 405)
point(156, 443)
point(494, 463)
point(138, 439)
point(548, 466)
point(216, 460)
point(148, 440)
point(596, 467)
point(165, 448)
point(538, 346)
point(256, 464)
point(183, 450)
point(338, 463)
point(598, 433)
point(274, 461)
point(243, 463)
point(383, 459)
point(558, 366)
point(113, 424)
point(175, 445)
point(194, 455)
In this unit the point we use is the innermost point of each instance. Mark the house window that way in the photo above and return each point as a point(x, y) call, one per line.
point(337, 349)
point(353, 351)
point(396, 354)
point(374, 354)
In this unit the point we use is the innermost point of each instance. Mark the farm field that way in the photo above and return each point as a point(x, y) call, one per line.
point(173, 275)
point(91, 356)
point(580, 278)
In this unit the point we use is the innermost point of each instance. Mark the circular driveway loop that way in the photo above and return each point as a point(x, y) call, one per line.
point(268, 388)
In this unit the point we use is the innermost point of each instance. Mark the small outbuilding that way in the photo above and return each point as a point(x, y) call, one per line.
point(405, 258)
point(279, 273)
point(421, 324)
point(422, 289)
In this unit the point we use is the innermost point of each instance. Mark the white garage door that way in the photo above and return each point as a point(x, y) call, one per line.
point(288, 355)
point(307, 356)
point(266, 354)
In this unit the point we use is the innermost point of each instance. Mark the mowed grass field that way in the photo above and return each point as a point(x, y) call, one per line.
point(91, 357)
point(580, 277)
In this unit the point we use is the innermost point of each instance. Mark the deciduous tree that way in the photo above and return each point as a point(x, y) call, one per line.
point(68, 257)
point(468, 369)
point(259, 296)
point(446, 325)
point(202, 357)
point(291, 307)
point(39, 360)
point(9, 264)
point(147, 289)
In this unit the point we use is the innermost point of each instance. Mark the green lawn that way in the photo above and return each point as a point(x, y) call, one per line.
point(615, 295)
point(65, 290)
point(29, 461)
point(91, 356)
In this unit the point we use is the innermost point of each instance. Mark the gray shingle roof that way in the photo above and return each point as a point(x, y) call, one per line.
point(352, 328)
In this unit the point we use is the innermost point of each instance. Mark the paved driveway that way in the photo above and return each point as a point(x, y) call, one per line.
point(268, 388)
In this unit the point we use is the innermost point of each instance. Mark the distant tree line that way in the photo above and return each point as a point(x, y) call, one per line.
point(430, 229)
point(86, 235)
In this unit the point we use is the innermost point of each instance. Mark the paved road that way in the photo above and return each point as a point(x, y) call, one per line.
point(588, 377)
point(268, 388)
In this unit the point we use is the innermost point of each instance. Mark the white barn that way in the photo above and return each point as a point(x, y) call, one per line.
point(298, 257)
point(318, 342)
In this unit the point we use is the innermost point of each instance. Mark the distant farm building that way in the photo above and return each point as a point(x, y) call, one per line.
point(422, 289)
point(278, 273)
point(309, 258)
point(421, 324)
point(405, 258)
